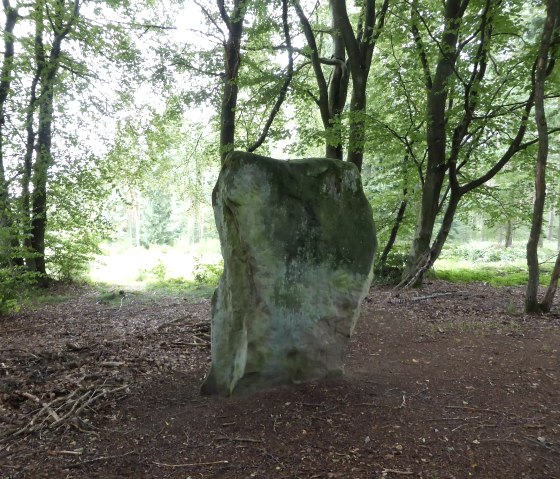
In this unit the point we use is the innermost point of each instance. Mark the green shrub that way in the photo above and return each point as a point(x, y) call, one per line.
point(68, 257)
point(15, 282)
point(207, 273)
point(487, 253)
point(159, 271)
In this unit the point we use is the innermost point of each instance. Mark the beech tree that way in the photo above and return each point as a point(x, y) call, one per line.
point(468, 98)
point(6, 74)
point(544, 65)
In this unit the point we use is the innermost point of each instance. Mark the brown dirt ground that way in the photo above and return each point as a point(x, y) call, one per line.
point(445, 382)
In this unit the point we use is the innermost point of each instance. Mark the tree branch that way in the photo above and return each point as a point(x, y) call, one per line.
point(285, 85)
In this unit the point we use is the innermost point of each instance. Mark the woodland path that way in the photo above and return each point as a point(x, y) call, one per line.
point(450, 381)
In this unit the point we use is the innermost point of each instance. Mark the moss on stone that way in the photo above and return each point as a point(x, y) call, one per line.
point(298, 242)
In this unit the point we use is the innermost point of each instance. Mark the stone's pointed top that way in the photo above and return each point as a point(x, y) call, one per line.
point(298, 243)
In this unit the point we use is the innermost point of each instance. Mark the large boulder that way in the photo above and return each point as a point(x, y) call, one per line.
point(298, 242)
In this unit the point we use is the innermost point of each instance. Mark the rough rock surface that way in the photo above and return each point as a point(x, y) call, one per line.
point(298, 242)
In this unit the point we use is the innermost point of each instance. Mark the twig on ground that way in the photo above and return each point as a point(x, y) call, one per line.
point(77, 452)
point(46, 406)
point(67, 409)
point(396, 471)
point(192, 464)
point(435, 295)
point(96, 459)
point(469, 408)
point(237, 439)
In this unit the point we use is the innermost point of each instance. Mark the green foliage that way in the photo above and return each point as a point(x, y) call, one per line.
point(207, 273)
point(502, 276)
point(487, 253)
point(68, 257)
point(159, 271)
point(157, 222)
point(394, 266)
point(14, 284)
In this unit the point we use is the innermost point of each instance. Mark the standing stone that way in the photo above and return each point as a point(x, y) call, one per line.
point(298, 242)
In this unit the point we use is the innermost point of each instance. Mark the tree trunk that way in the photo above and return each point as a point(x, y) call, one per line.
point(550, 233)
point(285, 85)
point(429, 257)
point(436, 137)
point(332, 97)
point(356, 140)
point(531, 298)
point(445, 227)
point(7, 236)
point(359, 49)
point(232, 62)
point(48, 68)
point(26, 176)
point(546, 304)
point(509, 234)
point(394, 232)
point(41, 167)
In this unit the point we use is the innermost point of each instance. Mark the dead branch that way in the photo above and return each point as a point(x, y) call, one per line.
point(435, 295)
point(68, 408)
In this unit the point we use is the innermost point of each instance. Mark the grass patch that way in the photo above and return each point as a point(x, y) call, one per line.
point(182, 287)
point(56, 292)
point(495, 275)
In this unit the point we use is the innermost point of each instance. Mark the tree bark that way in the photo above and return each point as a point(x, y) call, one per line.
point(421, 258)
point(7, 236)
point(285, 85)
point(509, 234)
point(446, 225)
point(331, 97)
point(436, 137)
point(394, 232)
point(232, 62)
point(49, 68)
point(546, 304)
point(531, 297)
point(359, 48)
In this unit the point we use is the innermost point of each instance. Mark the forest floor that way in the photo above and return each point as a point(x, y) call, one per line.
point(450, 381)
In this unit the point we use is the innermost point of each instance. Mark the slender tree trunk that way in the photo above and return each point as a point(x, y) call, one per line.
point(394, 232)
point(285, 85)
point(436, 137)
point(7, 237)
point(232, 62)
point(359, 48)
point(201, 222)
point(356, 139)
point(26, 201)
point(531, 298)
point(40, 177)
point(331, 96)
point(445, 227)
point(26, 176)
point(137, 227)
point(550, 233)
point(509, 234)
point(48, 68)
point(546, 304)
point(338, 90)
point(430, 256)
